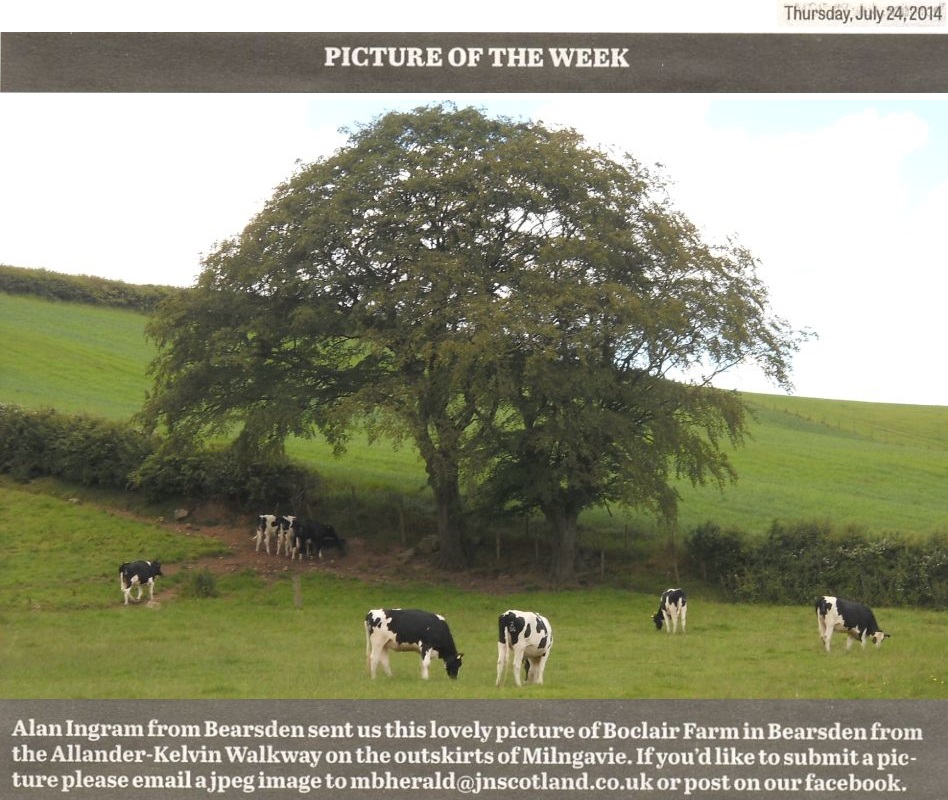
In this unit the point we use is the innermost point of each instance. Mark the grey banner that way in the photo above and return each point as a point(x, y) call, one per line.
point(471, 62)
point(491, 749)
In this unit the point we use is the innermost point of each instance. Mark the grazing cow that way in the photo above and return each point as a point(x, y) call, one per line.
point(139, 573)
point(525, 638)
point(672, 609)
point(314, 537)
point(409, 629)
point(857, 620)
point(267, 525)
point(286, 527)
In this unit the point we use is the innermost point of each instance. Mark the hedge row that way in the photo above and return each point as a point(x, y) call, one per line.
point(95, 452)
point(82, 289)
point(791, 563)
point(221, 474)
point(795, 563)
point(80, 449)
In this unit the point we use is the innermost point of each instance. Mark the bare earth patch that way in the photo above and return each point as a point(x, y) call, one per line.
point(361, 561)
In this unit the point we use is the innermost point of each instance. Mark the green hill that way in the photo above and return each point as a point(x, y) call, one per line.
point(877, 466)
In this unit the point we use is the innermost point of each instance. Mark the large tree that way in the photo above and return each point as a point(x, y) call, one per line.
point(610, 381)
point(503, 295)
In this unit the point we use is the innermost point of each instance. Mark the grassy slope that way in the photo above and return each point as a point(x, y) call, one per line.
point(807, 459)
point(73, 357)
point(236, 645)
point(882, 467)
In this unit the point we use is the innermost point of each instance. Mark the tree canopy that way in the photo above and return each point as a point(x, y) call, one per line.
point(529, 311)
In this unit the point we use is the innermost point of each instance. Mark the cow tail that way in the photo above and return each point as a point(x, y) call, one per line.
point(503, 636)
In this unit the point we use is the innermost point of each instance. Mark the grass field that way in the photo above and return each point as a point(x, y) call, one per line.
point(876, 466)
point(72, 357)
point(74, 638)
point(66, 633)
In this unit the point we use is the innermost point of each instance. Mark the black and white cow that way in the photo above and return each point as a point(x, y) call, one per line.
point(139, 573)
point(315, 537)
point(409, 629)
point(267, 525)
point(286, 527)
point(524, 638)
point(856, 619)
point(672, 609)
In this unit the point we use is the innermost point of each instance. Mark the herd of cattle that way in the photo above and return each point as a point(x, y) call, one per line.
point(296, 537)
point(525, 638)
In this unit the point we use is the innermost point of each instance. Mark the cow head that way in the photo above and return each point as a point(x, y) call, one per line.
point(658, 619)
point(453, 665)
point(878, 637)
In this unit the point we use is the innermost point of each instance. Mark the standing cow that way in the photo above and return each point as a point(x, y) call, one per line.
point(857, 620)
point(409, 629)
point(267, 525)
point(286, 534)
point(139, 573)
point(315, 537)
point(524, 637)
point(672, 609)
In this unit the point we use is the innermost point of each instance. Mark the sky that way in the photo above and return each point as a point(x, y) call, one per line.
point(842, 199)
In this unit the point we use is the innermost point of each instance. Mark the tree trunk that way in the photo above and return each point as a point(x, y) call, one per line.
point(564, 523)
point(437, 439)
point(452, 553)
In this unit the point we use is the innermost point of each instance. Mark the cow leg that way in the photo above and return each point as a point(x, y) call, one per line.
point(501, 662)
point(379, 655)
point(538, 668)
point(666, 616)
point(151, 589)
point(532, 663)
point(683, 614)
point(385, 662)
point(821, 628)
point(425, 663)
point(373, 659)
point(517, 664)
